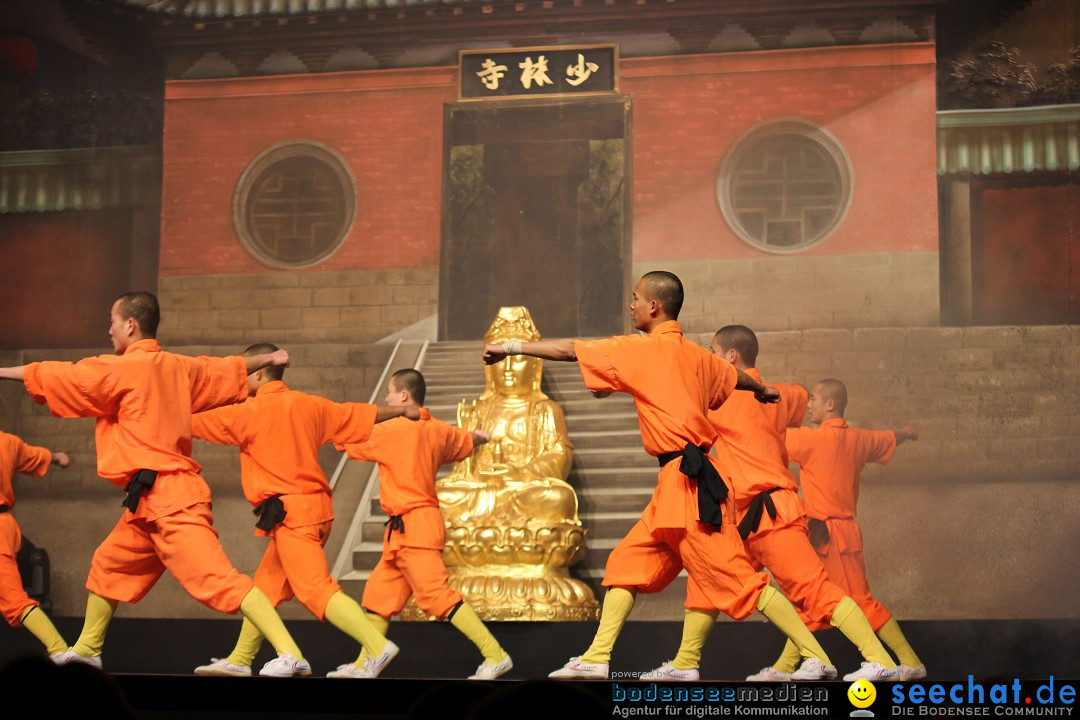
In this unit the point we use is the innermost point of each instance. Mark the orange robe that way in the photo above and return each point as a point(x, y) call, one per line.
point(279, 432)
point(674, 383)
point(409, 455)
point(143, 401)
point(754, 436)
point(831, 457)
point(15, 456)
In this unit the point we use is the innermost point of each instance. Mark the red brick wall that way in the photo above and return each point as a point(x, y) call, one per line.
point(878, 101)
point(387, 126)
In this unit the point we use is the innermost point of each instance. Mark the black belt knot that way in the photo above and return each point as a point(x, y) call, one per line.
point(140, 481)
point(752, 518)
point(394, 523)
point(271, 511)
point(711, 488)
point(819, 532)
point(4, 508)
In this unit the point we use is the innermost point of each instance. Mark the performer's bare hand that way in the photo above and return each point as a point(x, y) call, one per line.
point(600, 394)
point(767, 395)
point(411, 412)
point(61, 459)
point(910, 432)
point(493, 354)
point(483, 434)
point(279, 358)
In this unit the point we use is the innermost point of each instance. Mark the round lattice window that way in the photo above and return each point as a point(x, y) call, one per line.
point(785, 186)
point(294, 204)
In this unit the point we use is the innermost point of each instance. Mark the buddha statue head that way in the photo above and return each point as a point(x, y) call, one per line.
point(516, 375)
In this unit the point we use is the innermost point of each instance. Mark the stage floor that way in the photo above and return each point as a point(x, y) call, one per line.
point(151, 660)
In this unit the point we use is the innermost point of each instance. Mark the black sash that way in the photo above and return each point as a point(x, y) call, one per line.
point(819, 532)
point(394, 523)
point(711, 488)
point(752, 518)
point(139, 481)
point(271, 511)
point(4, 508)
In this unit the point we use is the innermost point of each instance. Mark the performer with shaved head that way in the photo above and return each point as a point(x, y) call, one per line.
point(279, 432)
point(772, 523)
point(143, 399)
point(690, 520)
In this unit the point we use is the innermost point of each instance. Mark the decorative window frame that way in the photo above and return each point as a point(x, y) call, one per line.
point(274, 154)
point(748, 142)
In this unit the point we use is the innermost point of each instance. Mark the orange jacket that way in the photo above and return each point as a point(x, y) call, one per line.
point(754, 433)
point(279, 432)
point(409, 454)
point(17, 456)
point(831, 457)
point(143, 401)
point(674, 383)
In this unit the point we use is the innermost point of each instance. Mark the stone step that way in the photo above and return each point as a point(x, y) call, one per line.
point(621, 438)
point(611, 457)
point(583, 421)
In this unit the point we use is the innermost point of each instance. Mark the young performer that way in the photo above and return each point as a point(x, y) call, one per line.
point(690, 519)
point(772, 522)
point(17, 607)
point(409, 455)
point(143, 399)
point(279, 432)
point(831, 457)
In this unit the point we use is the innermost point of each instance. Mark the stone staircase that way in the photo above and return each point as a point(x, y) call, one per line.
point(614, 478)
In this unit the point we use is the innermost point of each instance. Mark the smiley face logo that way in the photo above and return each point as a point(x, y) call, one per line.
point(862, 693)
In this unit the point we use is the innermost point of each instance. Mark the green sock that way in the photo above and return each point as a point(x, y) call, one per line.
point(465, 619)
point(264, 617)
point(850, 620)
point(40, 626)
point(696, 627)
point(99, 612)
point(782, 614)
point(247, 645)
point(891, 634)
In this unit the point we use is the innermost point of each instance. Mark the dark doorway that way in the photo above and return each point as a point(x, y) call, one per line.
point(536, 212)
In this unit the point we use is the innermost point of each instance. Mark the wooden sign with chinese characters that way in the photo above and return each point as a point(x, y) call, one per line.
point(538, 72)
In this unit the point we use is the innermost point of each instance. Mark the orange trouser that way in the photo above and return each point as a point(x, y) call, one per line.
point(843, 560)
point(294, 564)
point(783, 546)
point(136, 552)
point(405, 570)
point(715, 560)
point(13, 599)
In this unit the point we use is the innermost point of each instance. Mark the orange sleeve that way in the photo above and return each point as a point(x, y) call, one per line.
point(798, 441)
point(217, 426)
point(32, 460)
point(83, 389)
point(458, 445)
point(349, 422)
point(794, 399)
point(606, 364)
point(878, 445)
point(724, 380)
point(216, 381)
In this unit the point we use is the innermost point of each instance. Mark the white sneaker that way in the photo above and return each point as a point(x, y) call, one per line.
point(875, 672)
point(348, 670)
point(490, 671)
point(578, 670)
point(70, 656)
point(769, 674)
point(285, 665)
point(375, 665)
point(221, 666)
point(909, 672)
point(668, 673)
point(814, 669)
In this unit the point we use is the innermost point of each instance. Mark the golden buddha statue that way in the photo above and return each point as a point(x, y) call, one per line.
point(512, 524)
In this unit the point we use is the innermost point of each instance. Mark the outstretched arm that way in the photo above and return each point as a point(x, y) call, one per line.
point(12, 373)
point(763, 393)
point(562, 350)
point(386, 412)
point(908, 432)
point(278, 358)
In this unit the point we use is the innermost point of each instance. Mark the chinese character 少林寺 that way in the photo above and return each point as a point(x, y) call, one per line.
point(491, 74)
point(534, 72)
point(581, 71)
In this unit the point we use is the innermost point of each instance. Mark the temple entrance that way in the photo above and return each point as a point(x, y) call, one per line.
point(536, 212)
